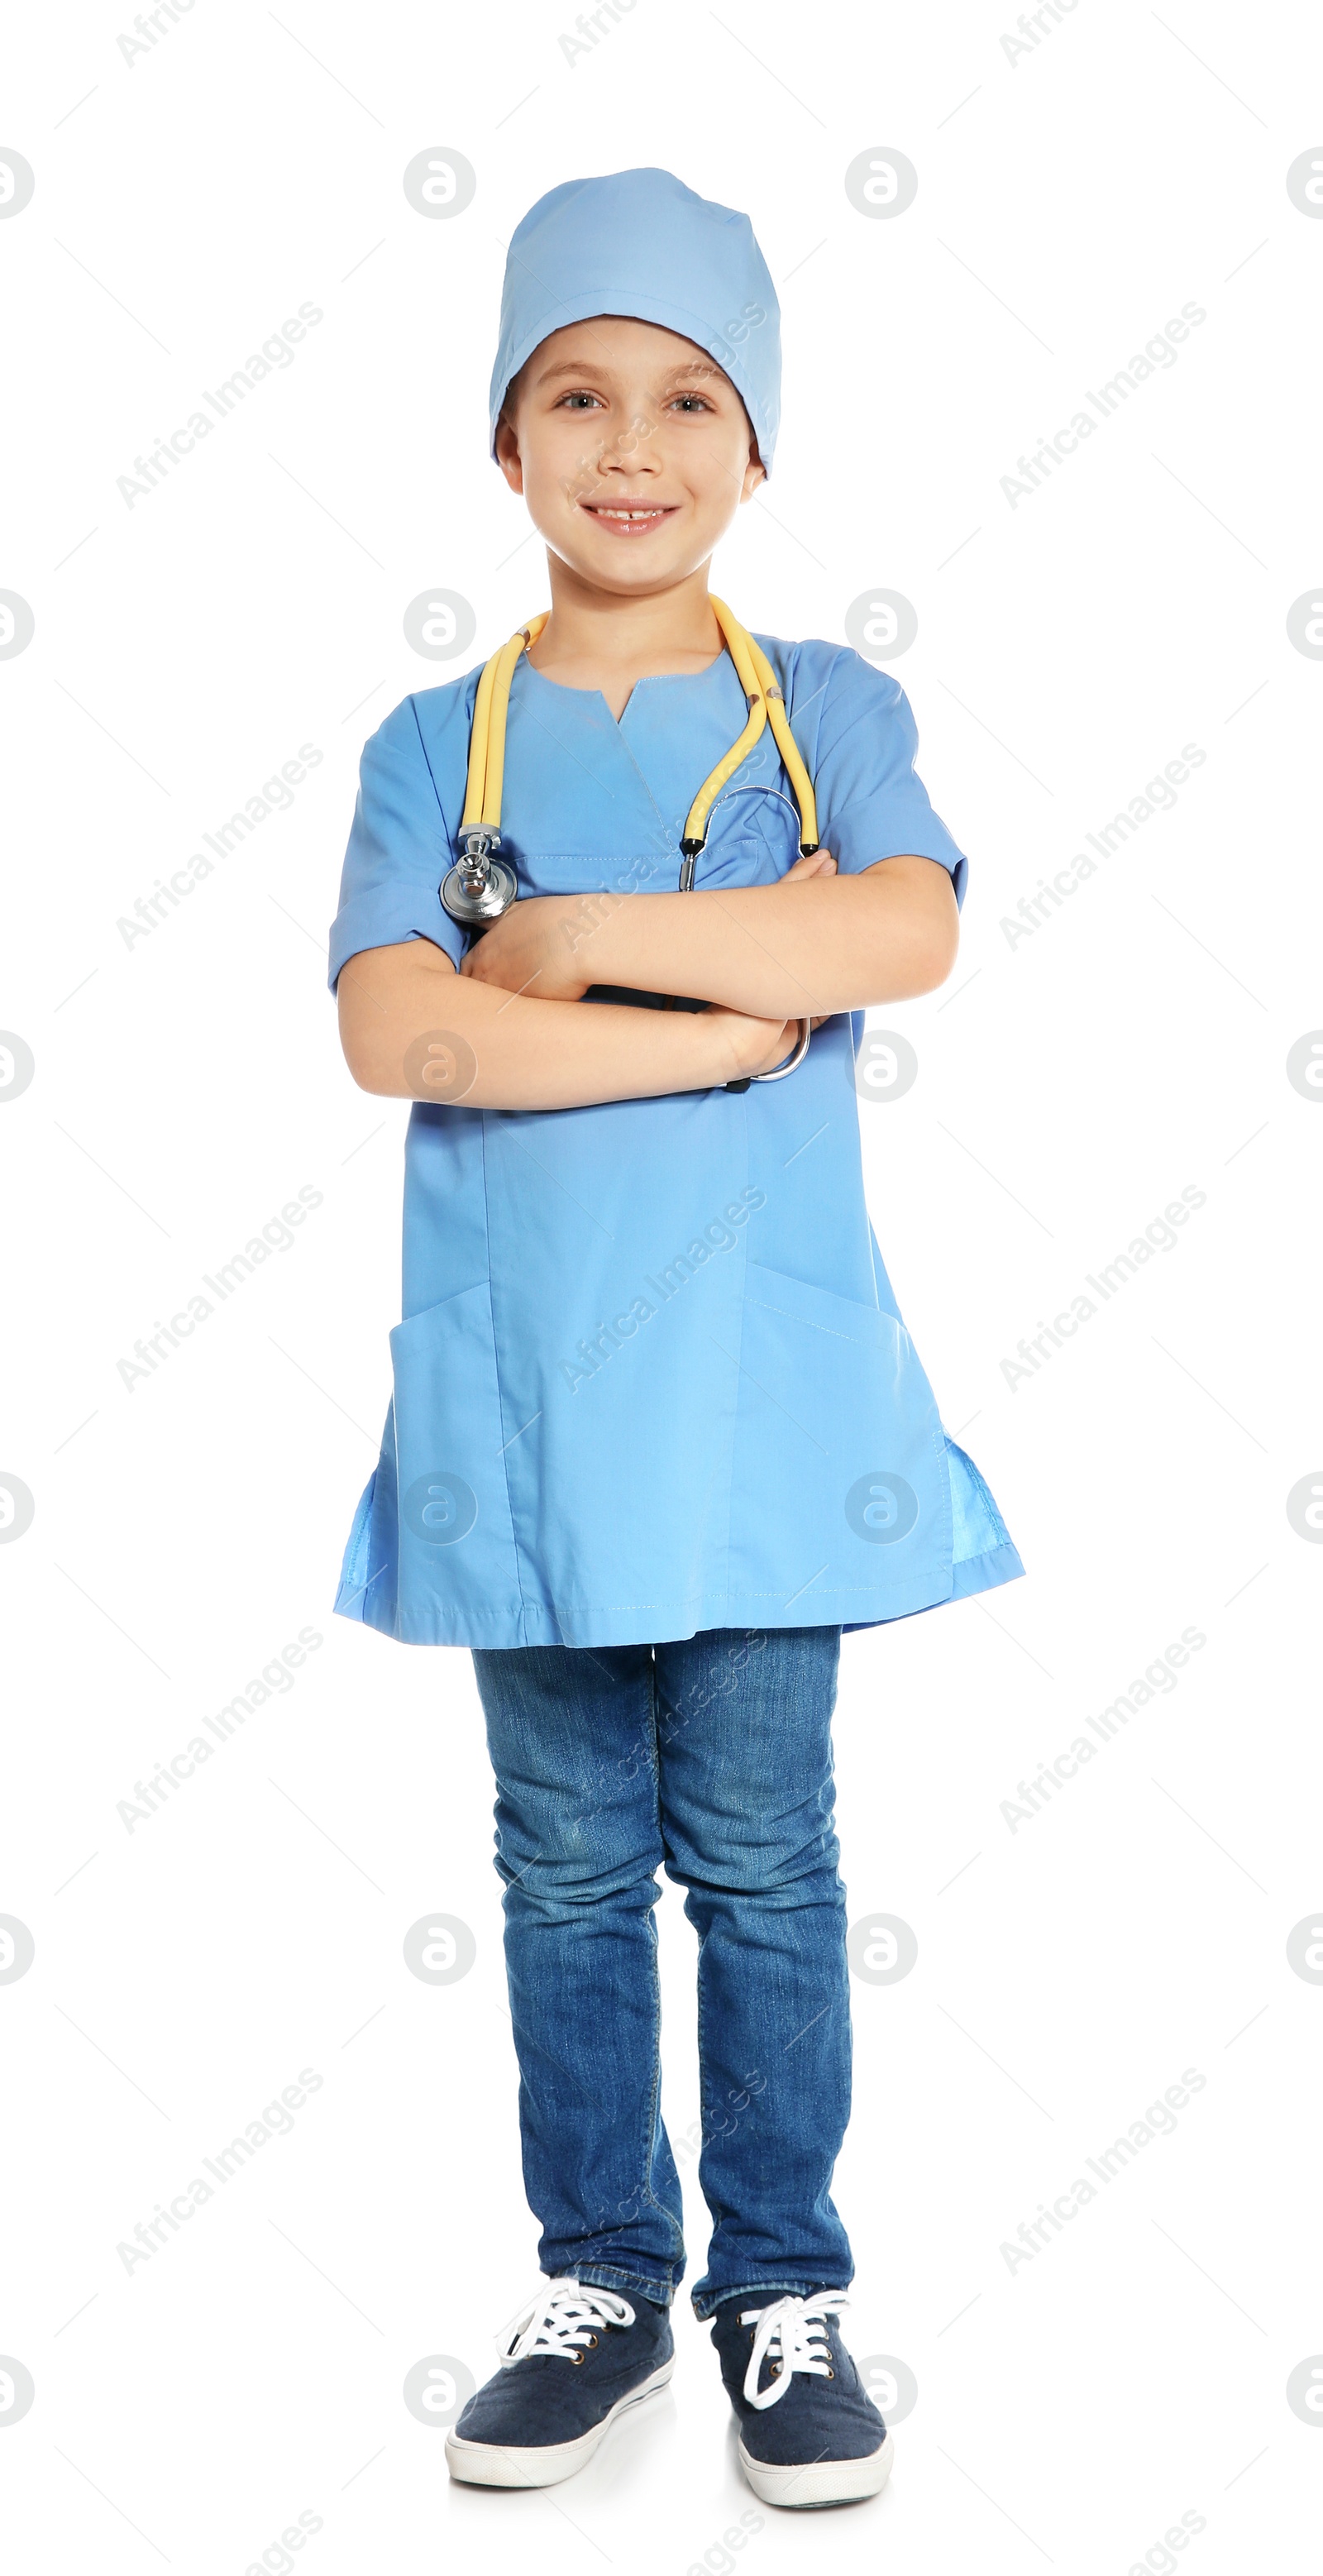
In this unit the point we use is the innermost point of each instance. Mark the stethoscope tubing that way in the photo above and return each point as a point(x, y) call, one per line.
point(481, 886)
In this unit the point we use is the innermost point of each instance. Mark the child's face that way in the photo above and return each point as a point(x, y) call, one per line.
point(613, 417)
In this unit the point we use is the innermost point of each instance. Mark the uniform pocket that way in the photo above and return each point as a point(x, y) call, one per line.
point(840, 1465)
point(457, 1561)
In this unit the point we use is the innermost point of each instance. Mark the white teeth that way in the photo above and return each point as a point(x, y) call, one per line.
point(628, 514)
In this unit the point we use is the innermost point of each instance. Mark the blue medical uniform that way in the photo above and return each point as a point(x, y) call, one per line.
point(651, 1376)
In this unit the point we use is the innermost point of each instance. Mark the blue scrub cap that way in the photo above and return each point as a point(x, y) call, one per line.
point(640, 243)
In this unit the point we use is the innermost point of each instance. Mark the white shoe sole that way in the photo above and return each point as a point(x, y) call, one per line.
point(820, 2482)
point(496, 2464)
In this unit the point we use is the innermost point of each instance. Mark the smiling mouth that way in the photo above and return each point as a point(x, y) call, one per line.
point(625, 522)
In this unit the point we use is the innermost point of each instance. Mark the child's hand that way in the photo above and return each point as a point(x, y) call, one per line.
point(540, 947)
point(755, 1045)
point(552, 947)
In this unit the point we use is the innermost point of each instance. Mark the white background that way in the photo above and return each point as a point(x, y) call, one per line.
point(1069, 202)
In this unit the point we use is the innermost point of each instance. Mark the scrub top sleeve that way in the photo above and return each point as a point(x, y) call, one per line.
point(871, 804)
point(399, 849)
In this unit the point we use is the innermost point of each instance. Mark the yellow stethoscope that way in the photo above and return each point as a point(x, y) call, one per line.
point(481, 886)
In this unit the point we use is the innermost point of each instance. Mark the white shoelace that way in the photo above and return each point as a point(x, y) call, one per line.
point(562, 2320)
point(795, 2332)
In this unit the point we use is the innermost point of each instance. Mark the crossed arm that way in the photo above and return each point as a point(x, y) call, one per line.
point(761, 957)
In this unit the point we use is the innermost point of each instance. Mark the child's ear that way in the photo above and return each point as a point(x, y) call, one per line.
point(507, 454)
point(755, 472)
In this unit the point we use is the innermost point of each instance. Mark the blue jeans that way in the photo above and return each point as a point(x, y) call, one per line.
point(712, 1758)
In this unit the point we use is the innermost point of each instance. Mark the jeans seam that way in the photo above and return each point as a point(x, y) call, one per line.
point(654, 1765)
point(657, 1976)
point(606, 2275)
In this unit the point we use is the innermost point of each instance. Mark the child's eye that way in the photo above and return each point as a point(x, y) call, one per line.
point(692, 402)
point(576, 401)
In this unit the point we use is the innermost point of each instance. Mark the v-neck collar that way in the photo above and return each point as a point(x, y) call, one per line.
point(647, 679)
point(624, 756)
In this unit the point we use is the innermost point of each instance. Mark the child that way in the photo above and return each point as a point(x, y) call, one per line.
point(658, 1433)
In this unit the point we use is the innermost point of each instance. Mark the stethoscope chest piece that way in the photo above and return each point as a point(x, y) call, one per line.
point(480, 887)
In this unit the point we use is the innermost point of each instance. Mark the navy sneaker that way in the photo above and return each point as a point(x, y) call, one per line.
point(809, 2432)
point(571, 2362)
